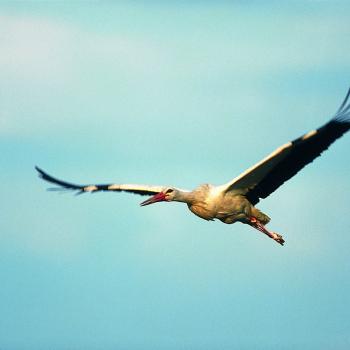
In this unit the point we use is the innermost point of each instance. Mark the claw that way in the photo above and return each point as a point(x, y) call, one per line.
point(278, 238)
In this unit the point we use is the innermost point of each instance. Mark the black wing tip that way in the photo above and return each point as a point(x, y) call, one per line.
point(343, 113)
point(39, 170)
point(42, 174)
point(62, 185)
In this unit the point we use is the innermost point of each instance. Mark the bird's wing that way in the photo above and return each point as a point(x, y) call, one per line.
point(63, 185)
point(265, 177)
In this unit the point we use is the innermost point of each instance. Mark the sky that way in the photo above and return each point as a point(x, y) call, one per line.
point(170, 93)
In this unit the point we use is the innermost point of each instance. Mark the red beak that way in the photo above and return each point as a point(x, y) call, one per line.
point(159, 197)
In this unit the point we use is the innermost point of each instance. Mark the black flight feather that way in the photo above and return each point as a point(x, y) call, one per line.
point(66, 186)
point(303, 151)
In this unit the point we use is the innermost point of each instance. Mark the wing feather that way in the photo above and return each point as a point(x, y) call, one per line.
point(265, 177)
point(131, 188)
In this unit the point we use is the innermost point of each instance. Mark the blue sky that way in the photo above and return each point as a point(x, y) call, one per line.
point(177, 93)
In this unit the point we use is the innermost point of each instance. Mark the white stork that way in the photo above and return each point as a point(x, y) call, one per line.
point(236, 200)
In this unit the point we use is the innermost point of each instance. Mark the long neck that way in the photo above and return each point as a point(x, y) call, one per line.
point(185, 197)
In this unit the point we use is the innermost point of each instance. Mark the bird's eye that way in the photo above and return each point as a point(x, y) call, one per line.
point(169, 190)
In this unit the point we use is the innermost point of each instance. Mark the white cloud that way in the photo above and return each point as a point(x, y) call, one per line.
point(33, 48)
point(41, 49)
point(45, 64)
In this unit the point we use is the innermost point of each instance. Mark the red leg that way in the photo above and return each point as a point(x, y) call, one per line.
point(259, 226)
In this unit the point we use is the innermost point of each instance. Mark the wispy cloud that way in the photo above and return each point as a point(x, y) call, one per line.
point(43, 61)
point(42, 49)
point(46, 64)
point(33, 48)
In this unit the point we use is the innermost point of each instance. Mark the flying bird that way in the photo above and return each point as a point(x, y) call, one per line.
point(235, 201)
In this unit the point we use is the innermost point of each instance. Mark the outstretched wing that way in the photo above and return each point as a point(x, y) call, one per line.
point(63, 185)
point(265, 177)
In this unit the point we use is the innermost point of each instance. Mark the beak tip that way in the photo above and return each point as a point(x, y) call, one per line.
point(159, 197)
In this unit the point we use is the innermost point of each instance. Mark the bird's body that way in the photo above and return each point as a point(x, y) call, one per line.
point(235, 201)
point(211, 202)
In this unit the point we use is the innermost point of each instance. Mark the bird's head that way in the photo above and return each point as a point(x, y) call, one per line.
point(166, 195)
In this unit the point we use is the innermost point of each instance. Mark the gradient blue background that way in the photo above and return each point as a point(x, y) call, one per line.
point(178, 93)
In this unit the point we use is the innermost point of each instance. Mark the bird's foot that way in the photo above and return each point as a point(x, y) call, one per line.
point(259, 226)
point(278, 238)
